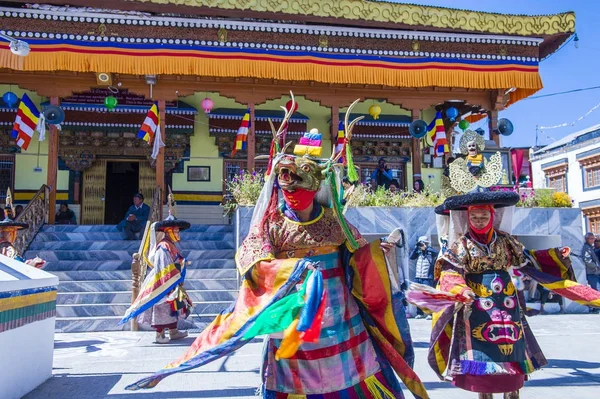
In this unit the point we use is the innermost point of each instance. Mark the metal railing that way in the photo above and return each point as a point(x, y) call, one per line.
point(35, 215)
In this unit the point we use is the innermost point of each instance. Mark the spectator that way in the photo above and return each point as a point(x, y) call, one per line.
point(597, 247)
point(8, 215)
point(135, 219)
point(394, 186)
point(65, 215)
point(419, 186)
point(592, 267)
point(426, 257)
point(382, 175)
point(18, 210)
point(545, 295)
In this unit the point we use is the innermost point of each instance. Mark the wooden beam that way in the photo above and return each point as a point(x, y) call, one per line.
point(416, 150)
point(493, 125)
point(251, 142)
point(52, 175)
point(335, 123)
point(160, 160)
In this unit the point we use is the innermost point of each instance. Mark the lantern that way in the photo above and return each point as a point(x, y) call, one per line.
point(464, 124)
point(110, 102)
point(374, 111)
point(207, 105)
point(452, 113)
point(10, 98)
point(288, 106)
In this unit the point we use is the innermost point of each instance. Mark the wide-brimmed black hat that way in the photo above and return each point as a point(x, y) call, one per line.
point(499, 199)
point(7, 223)
point(441, 209)
point(171, 223)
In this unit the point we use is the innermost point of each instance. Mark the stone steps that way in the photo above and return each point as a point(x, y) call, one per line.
point(110, 265)
point(119, 309)
point(106, 255)
point(125, 285)
point(93, 264)
point(132, 246)
point(116, 297)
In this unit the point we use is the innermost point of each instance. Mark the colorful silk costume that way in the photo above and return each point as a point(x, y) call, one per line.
point(363, 333)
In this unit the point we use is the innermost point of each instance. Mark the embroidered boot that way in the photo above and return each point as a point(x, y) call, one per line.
point(161, 338)
point(486, 396)
point(176, 334)
point(511, 395)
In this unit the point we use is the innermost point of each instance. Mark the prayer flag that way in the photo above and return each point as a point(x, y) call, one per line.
point(242, 134)
point(150, 125)
point(26, 122)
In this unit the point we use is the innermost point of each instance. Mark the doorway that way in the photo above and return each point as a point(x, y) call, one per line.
point(122, 182)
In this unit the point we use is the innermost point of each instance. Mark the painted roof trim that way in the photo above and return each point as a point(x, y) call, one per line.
point(397, 13)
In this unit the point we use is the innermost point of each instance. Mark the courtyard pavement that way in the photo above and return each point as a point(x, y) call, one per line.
point(100, 365)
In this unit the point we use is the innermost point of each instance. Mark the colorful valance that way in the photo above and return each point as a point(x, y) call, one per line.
point(173, 59)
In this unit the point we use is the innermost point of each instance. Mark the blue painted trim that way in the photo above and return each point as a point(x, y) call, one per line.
point(555, 163)
point(589, 204)
point(583, 180)
point(12, 272)
point(587, 153)
point(29, 291)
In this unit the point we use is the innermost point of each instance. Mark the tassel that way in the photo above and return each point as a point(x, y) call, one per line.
point(352, 175)
point(377, 389)
point(338, 208)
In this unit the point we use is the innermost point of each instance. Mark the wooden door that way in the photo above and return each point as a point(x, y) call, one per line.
point(147, 183)
point(94, 186)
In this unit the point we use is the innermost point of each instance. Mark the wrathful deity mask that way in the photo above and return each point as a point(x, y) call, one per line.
point(299, 179)
point(495, 315)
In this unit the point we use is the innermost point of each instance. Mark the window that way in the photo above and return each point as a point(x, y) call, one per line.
point(559, 183)
point(592, 177)
point(7, 175)
point(595, 225)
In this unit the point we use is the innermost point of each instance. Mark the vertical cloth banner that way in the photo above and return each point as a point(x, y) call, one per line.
point(150, 125)
point(517, 162)
point(242, 134)
point(28, 118)
point(436, 133)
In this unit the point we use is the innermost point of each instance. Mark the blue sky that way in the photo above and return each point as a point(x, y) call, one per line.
point(570, 68)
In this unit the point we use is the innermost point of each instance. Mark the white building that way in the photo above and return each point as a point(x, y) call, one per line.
point(572, 164)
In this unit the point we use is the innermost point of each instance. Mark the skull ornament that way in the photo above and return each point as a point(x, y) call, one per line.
point(472, 148)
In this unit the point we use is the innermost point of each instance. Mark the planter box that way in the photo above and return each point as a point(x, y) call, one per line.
point(538, 228)
point(27, 317)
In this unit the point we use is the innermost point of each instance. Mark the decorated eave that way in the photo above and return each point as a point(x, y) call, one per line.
point(554, 29)
point(385, 128)
point(505, 57)
point(226, 121)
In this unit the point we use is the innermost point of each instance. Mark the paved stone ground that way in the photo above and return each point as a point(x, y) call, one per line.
point(100, 365)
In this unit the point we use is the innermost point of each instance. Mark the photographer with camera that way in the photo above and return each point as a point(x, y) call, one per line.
point(425, 256)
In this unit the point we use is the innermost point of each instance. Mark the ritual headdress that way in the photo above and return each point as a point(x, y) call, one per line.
point(463, 189)
point(309, 147)
point(8, 224)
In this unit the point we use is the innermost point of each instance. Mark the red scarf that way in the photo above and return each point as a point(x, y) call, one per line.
point(485, 234)
point(300, 199)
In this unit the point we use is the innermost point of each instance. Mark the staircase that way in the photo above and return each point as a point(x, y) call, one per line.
point(93, 264)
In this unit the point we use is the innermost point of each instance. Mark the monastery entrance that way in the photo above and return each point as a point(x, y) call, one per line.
point(108, 188)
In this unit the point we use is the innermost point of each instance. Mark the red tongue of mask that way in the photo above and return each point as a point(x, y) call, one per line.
point(299, 199)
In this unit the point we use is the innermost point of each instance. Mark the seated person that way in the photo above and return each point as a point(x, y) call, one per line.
point(18, 210)
point(65, 215)
point(135, 219)
point(8, 214)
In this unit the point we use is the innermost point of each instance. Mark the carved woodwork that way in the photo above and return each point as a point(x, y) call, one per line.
point(35, 215)
point(94, 186)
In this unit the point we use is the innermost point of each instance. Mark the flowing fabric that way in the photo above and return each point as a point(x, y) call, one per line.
point(166, 274)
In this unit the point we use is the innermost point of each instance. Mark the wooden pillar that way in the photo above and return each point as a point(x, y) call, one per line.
point(493, 124)
point(52, 176)
point(416, 150)
point(251, 144)
point(335, 124)
point(160, 160)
